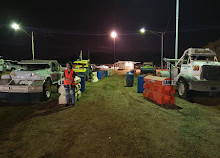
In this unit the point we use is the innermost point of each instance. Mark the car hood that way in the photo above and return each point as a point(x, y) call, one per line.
point(27, 75)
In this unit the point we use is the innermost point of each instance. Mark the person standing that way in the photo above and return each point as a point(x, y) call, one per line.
point(69, 83)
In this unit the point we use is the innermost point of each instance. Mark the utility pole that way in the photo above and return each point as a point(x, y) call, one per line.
point(32, 40)
point(88, 54)
point(177, 28)
point(162, 40)
point(114, 54)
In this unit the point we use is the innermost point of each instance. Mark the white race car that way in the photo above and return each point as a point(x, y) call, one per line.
point(32, 82)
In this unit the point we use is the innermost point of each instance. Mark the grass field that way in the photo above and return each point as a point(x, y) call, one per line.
point(109, 121)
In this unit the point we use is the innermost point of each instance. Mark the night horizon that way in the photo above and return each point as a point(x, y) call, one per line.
point(110, 79)
point(68, 31)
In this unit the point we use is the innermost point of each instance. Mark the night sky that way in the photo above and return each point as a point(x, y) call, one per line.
point(62, 28)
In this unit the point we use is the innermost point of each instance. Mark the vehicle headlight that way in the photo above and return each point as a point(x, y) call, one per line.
point(33, 74)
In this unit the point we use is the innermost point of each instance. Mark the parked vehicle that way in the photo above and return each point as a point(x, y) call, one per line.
point(83, 68)
point(197, 70)
point(2, 65)
point(32, 82)
point(148, 67)
point(12, 65)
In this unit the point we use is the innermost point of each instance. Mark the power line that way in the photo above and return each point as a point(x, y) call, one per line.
point(64, 32)
point(171, 14)
point(196, 29)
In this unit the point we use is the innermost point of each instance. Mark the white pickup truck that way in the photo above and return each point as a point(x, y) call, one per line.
point(2, 65)
point(197, 70)
point(32, 82)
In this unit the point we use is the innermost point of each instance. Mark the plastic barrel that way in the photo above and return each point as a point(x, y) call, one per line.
point(140, 83)
point(105, 74)
point(164, 73)
point(99, 75)
point(130, 80)
point(83, 83)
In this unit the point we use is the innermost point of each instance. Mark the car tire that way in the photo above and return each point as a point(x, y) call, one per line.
point(58, 86)
point(47, 89)
point(183, 89)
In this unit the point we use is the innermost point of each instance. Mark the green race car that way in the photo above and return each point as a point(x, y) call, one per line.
point(148, 67)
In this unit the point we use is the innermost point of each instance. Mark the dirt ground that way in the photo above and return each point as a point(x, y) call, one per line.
point(109, 121)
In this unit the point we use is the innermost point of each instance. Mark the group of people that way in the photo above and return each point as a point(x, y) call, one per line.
point(69, 83)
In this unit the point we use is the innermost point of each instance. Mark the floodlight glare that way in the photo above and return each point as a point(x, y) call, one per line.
point(113, 34)
point(142, 30)
point(15, 26)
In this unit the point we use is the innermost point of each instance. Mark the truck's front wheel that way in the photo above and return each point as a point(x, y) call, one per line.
point(47, 89)
point(183, 89)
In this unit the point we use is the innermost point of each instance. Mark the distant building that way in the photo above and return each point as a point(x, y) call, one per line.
point(125, 65)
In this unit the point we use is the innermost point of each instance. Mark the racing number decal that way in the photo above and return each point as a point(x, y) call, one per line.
point(196, 68)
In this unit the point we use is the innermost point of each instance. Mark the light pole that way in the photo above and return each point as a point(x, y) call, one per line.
point(177, 28)
point(162, 41)
point(114, 35)
point(17, 27)
point(161, 35)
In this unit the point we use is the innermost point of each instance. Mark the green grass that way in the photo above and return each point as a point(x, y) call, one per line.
point(110, 121)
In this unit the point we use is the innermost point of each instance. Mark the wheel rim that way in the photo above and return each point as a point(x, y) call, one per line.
point(48, 94)
point(181, 89)
point(48, 90)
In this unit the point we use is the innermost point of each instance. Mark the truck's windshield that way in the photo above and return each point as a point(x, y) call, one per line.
point(80, 65)
point(207, 58)
point(31, 67)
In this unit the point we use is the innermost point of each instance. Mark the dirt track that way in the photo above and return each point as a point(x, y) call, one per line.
point(114, 121)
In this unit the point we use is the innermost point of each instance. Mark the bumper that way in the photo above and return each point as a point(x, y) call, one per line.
point(20, 89)
point(21, 97)
point(205, 86)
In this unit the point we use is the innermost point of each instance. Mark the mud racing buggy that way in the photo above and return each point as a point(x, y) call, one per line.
point(83, 68)
point(197, 70)
point(31, 83)
point(148, 67)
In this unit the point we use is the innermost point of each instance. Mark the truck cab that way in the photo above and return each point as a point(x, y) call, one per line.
point(197, 70)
